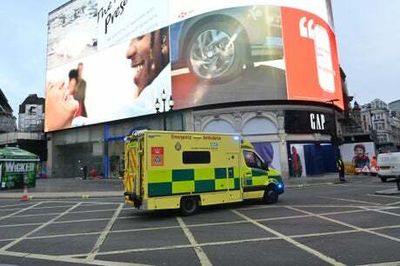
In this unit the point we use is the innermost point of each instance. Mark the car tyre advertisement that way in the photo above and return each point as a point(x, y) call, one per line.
point(216, 51)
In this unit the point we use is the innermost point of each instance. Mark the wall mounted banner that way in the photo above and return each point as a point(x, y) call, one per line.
point(308, 122)
point(112, 59)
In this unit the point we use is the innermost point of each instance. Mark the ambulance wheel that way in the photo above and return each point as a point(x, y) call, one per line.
point(189, 206)
point(271, 194)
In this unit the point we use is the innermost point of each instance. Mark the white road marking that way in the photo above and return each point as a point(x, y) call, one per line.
point(383, 196)
point(99, 262)
point(349, 225)
point(389, 263)
point(291, 240)
point(325, 233)
point(104, 234)
point(393, 203)
point(90, 211)
point(82, 221)
point(55, 213)
point(15, 205)
point(304, 206)
point(352, 184)
point(216, 224)
point(58, 222)
point(18, 225)
point(65, 259)
point(384, 227)
point(84, 203)
point(230, 242)
point(171, 227)
point(350, 200)
point(381, 211)
point(22, 210)
point(41, 208)
point(146, 229)
point(70, 221)
point(128, 217)
point(199, 251)
point(340, 212)
point(37, 215)
point(219, 243)
point(37, 229)
point(64, 235)
point(193, 225)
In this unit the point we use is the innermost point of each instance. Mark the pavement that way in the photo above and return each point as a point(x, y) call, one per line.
point(388, 192)
point(48, 188)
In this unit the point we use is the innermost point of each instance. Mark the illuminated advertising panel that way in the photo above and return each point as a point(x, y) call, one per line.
point(113, 59)
point(312, 74)
point(358, 155)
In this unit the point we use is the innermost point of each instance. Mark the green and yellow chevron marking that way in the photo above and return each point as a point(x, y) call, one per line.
point(185, 181)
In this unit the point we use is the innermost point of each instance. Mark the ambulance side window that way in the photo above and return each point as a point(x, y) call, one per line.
point(196, 157)
point(252, 160)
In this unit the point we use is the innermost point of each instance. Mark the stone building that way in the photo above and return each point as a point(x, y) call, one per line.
point(379, 120)
point(7, 120)
point(31, 114)
point(29, 136)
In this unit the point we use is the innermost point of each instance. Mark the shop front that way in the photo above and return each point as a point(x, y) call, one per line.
point(310, 156)
point(17, 168)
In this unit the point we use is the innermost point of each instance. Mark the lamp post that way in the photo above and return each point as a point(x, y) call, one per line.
point(371, 131)
point(334, 133)
point(163, 98)
point(157, 105)
point(335, 143)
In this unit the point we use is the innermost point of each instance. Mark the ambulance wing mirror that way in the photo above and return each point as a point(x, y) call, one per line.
point(265, 166)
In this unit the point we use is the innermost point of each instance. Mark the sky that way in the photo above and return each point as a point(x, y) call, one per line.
point(367, 33)
point(368, 37)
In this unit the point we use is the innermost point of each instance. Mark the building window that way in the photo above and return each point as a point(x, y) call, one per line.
point(364, 122)
point(259, 125)
point(382, 138)
point(219, 126)
point(252, 160)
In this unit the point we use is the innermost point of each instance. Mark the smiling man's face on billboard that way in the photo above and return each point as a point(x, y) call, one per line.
point(148, 55)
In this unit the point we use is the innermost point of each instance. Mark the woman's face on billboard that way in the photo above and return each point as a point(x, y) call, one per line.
point(60, 106)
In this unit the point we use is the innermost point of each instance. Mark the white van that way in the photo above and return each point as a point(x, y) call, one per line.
point(389, 165)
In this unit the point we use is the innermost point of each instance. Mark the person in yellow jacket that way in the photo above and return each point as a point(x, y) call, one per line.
point(340, 168)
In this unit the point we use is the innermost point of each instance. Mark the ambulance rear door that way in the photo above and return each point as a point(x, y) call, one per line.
point(134, 170)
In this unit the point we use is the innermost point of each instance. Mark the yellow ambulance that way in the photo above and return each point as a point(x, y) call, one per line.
point(186, 170)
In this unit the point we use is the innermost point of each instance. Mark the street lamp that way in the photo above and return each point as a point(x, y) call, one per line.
point(370, 125)
point(335, 144)
point(334, 135)
point(171, 103)
point(163, 98)
point(371, 130)
point(157, 105)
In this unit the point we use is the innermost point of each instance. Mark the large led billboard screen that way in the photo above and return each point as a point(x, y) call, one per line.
point(112, 59)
